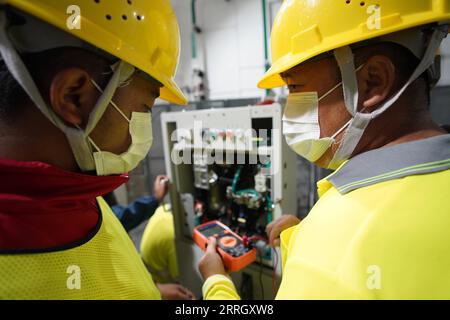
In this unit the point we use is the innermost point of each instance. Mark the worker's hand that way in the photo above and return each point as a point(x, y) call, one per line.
point(175, 291)
point(275, 228)
point(211, 263)
point(160, 187)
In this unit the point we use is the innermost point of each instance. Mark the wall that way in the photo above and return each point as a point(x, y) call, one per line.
point(232, 32)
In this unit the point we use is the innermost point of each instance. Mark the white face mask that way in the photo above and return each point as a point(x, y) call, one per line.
point(107, 163)
point(301, 124)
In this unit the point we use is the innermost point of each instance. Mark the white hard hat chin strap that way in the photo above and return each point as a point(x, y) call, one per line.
point(346, 62)
point(360, 121)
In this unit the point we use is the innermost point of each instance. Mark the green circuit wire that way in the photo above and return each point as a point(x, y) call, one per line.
point(252, 191)
point(236, 179)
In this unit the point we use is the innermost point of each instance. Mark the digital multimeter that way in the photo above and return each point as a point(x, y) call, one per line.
point(234, 253)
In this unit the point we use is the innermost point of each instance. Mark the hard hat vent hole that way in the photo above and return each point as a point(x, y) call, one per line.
point(139, 17)
point(348, 1)
point(124, 17)
point(108, 17)
point(129, 2)
point(97, 1)
point(362, 4)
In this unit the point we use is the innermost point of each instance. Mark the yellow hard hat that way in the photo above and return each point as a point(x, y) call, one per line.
point(144, 33)
point(304, 29)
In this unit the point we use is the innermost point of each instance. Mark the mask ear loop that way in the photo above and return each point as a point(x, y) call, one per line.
point(115, 107)
point(338, 85)
point(329, 92)
point(112, 102)
point(349, 121)
point(94, 144)
point(120, 111)
point(125, 83)
point(89, 139)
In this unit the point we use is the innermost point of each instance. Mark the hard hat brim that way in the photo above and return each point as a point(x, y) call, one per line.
point(172, 93)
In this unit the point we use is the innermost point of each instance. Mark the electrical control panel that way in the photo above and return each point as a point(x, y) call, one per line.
point(230, 165)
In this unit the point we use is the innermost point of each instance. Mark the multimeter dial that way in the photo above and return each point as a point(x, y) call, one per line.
point(231, 245)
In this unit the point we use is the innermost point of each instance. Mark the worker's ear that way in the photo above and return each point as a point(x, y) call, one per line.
point(376, 81)
point(73, 96)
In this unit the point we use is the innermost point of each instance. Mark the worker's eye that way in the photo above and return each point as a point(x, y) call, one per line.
point(294, 87)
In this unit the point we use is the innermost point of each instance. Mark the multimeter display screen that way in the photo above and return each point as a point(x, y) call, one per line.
point(209, 232)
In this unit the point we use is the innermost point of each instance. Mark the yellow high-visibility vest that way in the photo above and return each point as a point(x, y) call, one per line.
point(105, 267)
point(380, 230)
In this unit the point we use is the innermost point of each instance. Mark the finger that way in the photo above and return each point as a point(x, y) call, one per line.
point(275, 233)
point(165, 181)
point(160, 178)
point(270, 226)
point(212, 243)
point(183, 293)
point(276, 242)
point(182, 289)
point(189, 293)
